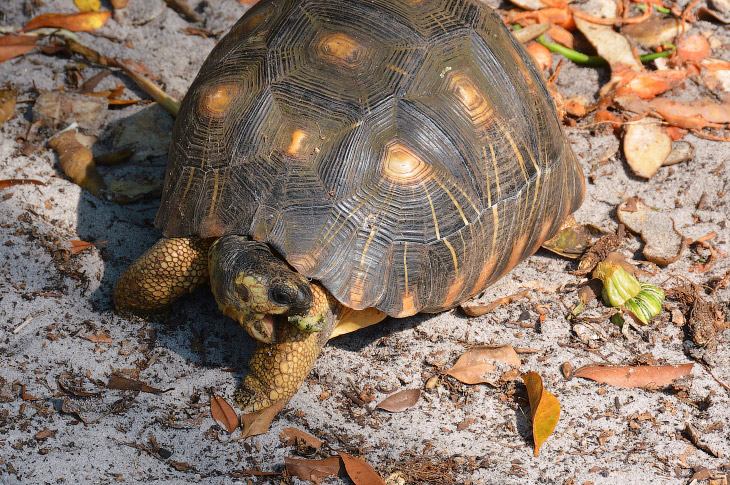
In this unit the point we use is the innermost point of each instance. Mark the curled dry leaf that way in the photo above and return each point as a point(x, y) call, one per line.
point(75, 22)
point(572, 240)
point(258, 422)
point(696, 114)
point(314, 470)
point(634, 376)
point(541, 55)
point(693, 47)
point(294, 436)
point(531, 32)
point(654, 31)
point(544, 409)
point(662, 243)
point(223, 413)
point(400, 401)
point(7, 183)
point(359, 471)
point(646, 146)
point(609, 44)
point(8, 98)
point(682, 151)
point(77, 161)
point(647, 85)
point(473, 309)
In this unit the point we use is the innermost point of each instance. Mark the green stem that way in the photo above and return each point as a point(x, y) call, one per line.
point(573, 55)
point(664, 10)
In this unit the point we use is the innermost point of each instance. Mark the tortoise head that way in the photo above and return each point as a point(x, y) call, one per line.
point(251, 285)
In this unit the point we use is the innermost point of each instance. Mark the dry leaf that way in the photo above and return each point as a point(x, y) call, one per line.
point(544, 408)
point(314, 470)
point(77, 161)
point(693, 48)
point(294, 436)
point(541, 55)
point(572, 239)
point(75, 22)
point(78, 246)
point(126, 384)
point(16, 45)
point(473, 309)
point(88, 5)
point(359, 471)
point(400, 401)
point(98, 339)
point(654, 31)
point(7, 183)
point(634, 376)
point(223, 413)
point(647, 85)
point(8, 98)
point(258, 422)
point(663, 244)
point(695, 114)
point(646, 147)
point(471, 367)
point(25, 395)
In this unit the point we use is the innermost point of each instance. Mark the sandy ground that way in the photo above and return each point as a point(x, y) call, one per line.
point(478, 433)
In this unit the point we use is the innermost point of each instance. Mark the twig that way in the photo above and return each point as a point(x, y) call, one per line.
point(25, 323)
point(610, 21)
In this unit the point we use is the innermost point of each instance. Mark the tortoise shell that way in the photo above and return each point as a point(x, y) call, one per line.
point(405, 153)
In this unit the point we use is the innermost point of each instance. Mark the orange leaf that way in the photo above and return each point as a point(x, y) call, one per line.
point(4, 184)
point(646, 85)
point(693, 48)
point(78, 246)
point(400, 401)
point(634, 376)
point(98, 339)
point(16, 45)
point(258, 422)
point(223, 413)
point(359, 471)
point(544, 407)
point(293, 436)
point(541, 55)
point(314, 470)
point(75, 22)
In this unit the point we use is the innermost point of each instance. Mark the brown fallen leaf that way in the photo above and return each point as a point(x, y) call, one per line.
point(26, 395)
point(473, 309)
point(77, 161)
point(544, 408)
point(258, 422)
point(126, 384)
point(78, 246)
point(663, 244)
point(646, 146)
point(294, 436)
point(4, 184)
point(471, 367)
point(314, 470)
point(703, 111)
point(16, 45)
point(647, 85)
point(400, 401)
point(223, 413)
point(634, 376)
point(98, 339)
point(359, 471)
point(8, 98)
point(75, 22)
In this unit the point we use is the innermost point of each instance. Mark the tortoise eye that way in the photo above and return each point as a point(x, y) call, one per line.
point(283, 295)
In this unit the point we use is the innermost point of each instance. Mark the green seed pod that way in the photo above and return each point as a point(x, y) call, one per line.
point(618, 285)
point(645, 305)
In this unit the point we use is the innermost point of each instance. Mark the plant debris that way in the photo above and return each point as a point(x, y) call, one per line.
point(634, 376)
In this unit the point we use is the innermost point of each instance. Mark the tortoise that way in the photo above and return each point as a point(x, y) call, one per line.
point(338, 161)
